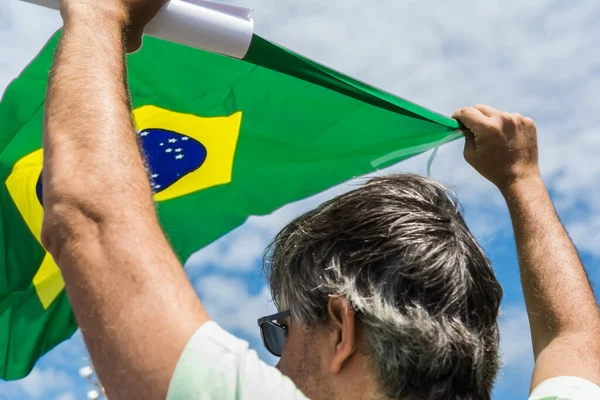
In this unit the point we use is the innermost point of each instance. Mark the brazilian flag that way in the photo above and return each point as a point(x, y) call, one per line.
point(225, 139)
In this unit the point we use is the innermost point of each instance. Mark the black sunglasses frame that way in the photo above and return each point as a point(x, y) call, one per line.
point(270, 319)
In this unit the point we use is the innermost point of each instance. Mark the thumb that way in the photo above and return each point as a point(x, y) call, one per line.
point(134, 40)
point(470, 147)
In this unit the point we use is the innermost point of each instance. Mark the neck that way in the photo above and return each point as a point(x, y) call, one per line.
point(358, 383)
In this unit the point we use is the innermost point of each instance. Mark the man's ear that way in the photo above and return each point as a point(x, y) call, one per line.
point(344, 327)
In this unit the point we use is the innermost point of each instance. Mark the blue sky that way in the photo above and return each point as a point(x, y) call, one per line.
point(535, 58)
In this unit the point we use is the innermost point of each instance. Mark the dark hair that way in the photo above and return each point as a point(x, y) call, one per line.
point(399, 250)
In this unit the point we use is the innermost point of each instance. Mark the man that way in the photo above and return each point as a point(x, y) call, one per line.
point(383, 292)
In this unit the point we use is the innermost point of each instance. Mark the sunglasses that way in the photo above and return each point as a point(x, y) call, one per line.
point(272, 333)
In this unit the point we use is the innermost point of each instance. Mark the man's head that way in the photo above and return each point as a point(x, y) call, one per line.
point(389, 293)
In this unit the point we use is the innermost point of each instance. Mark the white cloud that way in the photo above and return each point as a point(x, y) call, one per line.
point(585, 231)
point(229, 302)
point(239, 250)
point(40, 383)
point(516, 352)
point(516, 347)
point(24, 29)
point(54, 375)
point(66, 396)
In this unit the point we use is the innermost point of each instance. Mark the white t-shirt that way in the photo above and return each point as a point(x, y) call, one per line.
point(566, 388)
point(217, 365)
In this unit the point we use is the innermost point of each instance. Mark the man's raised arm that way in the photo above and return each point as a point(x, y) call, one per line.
point(131, 298)
point(563, 314)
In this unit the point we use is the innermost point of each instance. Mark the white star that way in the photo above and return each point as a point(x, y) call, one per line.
point(157, 186)
point(178, 150)
point(154, 176)
point(144, 133)
point(169, 150)
point(172, 140)
point(179, 156)
point(185, 138)
point(162, 144)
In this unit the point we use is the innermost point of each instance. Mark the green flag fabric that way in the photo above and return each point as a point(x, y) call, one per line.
point(224, 138)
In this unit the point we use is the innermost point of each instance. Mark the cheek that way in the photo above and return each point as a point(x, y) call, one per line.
point(290, 356)
point(301, 361)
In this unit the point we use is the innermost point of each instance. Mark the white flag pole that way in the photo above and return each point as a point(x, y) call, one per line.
point(202, 24)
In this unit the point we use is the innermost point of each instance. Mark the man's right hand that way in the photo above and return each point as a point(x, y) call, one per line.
point(133, 15)
point(500, 146)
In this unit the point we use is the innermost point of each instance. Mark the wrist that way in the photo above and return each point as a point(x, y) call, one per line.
point(107, 16)
point(522, 185)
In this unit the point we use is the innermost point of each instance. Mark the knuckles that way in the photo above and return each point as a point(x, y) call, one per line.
point(528, 122)
point(509, 120)
point(497, 124)
point(515, 121)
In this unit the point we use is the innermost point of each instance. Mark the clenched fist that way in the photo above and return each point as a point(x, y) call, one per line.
point(500, 146)
point(132, 15)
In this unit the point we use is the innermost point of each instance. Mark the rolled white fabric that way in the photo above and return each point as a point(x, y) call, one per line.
point(202, 24)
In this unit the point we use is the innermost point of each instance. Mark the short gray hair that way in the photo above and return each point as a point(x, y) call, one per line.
point(399, 250)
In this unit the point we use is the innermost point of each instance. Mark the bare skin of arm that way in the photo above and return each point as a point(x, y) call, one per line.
point(129, 292)
point(563, 313)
